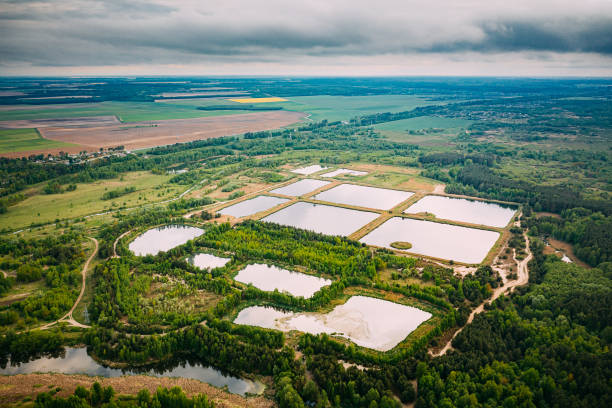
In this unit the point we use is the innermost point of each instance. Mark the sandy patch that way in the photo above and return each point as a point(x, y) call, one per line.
point(568, 250)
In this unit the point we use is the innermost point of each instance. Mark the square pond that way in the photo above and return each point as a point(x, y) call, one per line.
point(324, 219)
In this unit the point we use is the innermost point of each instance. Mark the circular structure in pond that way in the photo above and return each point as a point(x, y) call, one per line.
point(401, 245)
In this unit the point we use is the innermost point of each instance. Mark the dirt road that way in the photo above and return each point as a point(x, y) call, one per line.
point(68, 316)
point(523, 279)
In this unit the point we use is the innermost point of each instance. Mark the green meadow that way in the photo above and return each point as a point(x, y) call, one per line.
point(19, 140)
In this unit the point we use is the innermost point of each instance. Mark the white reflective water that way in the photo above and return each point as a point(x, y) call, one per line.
point(252, 206)
point(270, 277)
point(364, 196)
point(77, 361)
point(207, 261)
point(163, 238)
point(348, 172)
point(462, 244)
point(366, 321)
point(324, 219)
point(309, 169)
point(300, 187)
point(461, 209)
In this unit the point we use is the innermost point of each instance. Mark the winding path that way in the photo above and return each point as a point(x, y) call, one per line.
point(522, 279)
point(68, 316)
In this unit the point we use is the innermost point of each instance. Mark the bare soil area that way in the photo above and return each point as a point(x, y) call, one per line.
point(140, 135)
point(14, 388)
point(568, 249)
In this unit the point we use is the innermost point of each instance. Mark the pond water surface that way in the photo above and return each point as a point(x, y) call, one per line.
point(364, 196)
point(348, 172)
point(163, 238)
point(309, 169)
point(300, 187)
point(366, 321)
point(207, 261)
point(270, 277)
point(252, 206)
point(324, 219)
point(77, 361)
point(461, 209)
point(462, 244)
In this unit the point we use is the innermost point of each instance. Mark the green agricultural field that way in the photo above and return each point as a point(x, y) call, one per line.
point(87, 199)
point(19, 140)
point(335, 108)
point(321, 107)
point(125, 111)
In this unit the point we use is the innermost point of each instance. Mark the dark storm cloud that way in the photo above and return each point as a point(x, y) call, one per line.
point(117, 32)
point(566, 36)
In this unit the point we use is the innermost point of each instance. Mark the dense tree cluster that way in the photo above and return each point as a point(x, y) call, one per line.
point(56, 261)
point(590, 233)
point(98, 396)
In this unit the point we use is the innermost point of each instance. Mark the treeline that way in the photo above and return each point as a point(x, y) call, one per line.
point(547, 346)
point(185, 204)
point(589, 232)
point(98, 396)
point(475, 179)
point(23, 347)
point(234, 353)
point(448, 158)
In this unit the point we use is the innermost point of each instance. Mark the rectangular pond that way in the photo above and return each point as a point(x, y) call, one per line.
point(364, 196)
point(300, 187)
point(270, 277)
point(462, 244)
point(252, 206)
point(163, 239)
point(324, 219)
point(207, 261)
point(366, 321)
point(464, 210)
point(308, 169)
point(348, 172)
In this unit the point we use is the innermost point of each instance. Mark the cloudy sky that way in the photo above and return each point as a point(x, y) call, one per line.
point(311, 37)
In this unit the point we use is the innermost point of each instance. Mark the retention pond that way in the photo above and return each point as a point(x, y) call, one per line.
point(366, 321)
point(270, 277)
point(163, 239)
point(452, 242)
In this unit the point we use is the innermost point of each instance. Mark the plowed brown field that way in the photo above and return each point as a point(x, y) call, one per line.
point(138, 135)
point(91, 135)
